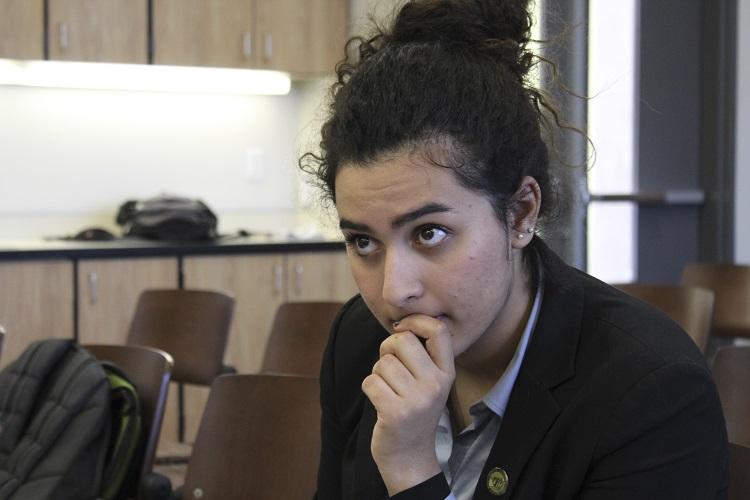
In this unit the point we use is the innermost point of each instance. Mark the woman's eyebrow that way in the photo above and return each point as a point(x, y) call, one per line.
point(429, 208)
point(401, 220)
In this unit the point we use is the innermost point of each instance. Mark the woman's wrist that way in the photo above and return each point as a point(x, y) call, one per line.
point(399, 477)
point(435, 487)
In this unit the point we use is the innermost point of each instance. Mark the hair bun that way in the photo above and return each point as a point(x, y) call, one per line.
point(502, 27)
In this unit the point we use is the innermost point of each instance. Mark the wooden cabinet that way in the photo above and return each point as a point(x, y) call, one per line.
point(259, 283)
point(36, 302)
point(201, 33)
point(303, 37)
point(98, 30)
point(318, 276)
point(22, 29)
point(108, 290)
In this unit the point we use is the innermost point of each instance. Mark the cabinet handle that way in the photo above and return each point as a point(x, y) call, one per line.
point(62, 36)
point(93, 292)
point(299, 274)
point(267, 46)
point(278, 279)
point(247, 44)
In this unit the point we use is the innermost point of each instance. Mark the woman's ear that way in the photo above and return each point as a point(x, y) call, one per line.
point(524, 211)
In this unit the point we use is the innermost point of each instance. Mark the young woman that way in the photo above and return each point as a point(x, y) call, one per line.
point(475, 363)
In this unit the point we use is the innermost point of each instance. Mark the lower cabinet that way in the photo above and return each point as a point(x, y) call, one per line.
point(108, 290)
point(259, 283)
point(39, 299)
point(36, 302)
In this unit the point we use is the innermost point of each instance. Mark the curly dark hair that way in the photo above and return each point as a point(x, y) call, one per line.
point(448, 73)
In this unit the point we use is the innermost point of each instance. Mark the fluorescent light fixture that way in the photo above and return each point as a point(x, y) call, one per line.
point(140, 77)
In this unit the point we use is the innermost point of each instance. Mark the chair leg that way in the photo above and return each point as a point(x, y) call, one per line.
point(181, 413)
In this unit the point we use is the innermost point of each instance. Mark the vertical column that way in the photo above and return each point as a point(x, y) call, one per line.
point(564, 24)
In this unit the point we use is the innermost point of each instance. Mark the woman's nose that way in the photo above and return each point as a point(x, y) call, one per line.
point(401, 280)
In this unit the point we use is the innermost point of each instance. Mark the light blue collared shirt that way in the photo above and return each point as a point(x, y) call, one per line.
point(462, 459)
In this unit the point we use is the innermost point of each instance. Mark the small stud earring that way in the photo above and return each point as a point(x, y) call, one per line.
point(530, 230)
point(520, 236)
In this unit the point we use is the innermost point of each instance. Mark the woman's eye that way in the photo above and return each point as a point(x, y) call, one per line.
point(430, 236)
point(363, 245)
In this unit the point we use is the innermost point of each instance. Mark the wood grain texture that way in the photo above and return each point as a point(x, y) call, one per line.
point(109, 290)
point(22, 29)
point(201, 33)
point(319, 276)
point(304, 37)
point(98, 30)
point(36, 302)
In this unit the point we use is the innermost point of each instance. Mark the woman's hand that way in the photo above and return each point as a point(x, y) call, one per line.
point(409, 387)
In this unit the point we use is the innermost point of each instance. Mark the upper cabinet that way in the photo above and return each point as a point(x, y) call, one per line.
point(303, 37)
point(202, 33)
point(98, 30)
point(22, 29)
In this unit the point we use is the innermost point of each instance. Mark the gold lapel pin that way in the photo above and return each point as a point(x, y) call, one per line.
point(497, 481)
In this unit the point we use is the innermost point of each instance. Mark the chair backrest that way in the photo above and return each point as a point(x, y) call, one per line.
point(731, 283)
point(298, 337)
point(731, 370)
point(259, 437)
point(739, 472)
point(149, 369)
point(691, 307)
point(191, 325)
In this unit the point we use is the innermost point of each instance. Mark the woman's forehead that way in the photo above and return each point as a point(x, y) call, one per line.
point(394, 187)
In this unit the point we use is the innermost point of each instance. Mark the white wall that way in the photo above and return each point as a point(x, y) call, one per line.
point(742, 158)
point(68, 158)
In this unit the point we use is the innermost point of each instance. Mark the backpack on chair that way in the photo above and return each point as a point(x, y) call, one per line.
point(56, 423)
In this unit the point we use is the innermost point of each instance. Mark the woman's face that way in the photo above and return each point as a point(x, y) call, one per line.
point(421, 243)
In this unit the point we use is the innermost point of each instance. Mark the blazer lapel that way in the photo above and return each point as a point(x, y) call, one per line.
point(549, 361)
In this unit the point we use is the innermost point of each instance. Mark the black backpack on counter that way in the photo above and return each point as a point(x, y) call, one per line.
point(168, 218)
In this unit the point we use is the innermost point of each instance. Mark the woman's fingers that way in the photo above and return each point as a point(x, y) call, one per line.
point(393, 372)
point(437, 339)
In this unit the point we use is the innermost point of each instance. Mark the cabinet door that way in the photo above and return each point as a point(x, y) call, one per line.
point(304, 37)
point(108, 290)
point(22, 29)
point(319, 276)
point(36, 302)
point(98, 30)
point(203, 33)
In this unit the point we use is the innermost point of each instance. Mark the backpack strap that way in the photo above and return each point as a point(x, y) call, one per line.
point(126, 431)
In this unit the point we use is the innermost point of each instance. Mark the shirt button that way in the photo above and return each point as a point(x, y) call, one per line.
point(497, 481)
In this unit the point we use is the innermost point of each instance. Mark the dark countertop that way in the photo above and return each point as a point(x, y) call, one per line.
point(136, 247)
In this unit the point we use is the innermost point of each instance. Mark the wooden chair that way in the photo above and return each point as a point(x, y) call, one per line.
point(731, 283)
point(149, 369)
point(731, 370)
point(691, 307)
point(298, 337)
point(259, 437)
point(739, 472)
point(192, 326)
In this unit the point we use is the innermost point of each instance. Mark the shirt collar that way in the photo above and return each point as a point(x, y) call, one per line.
point(497, 397)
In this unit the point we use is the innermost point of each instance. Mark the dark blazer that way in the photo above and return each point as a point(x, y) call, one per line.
point(612, 401)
